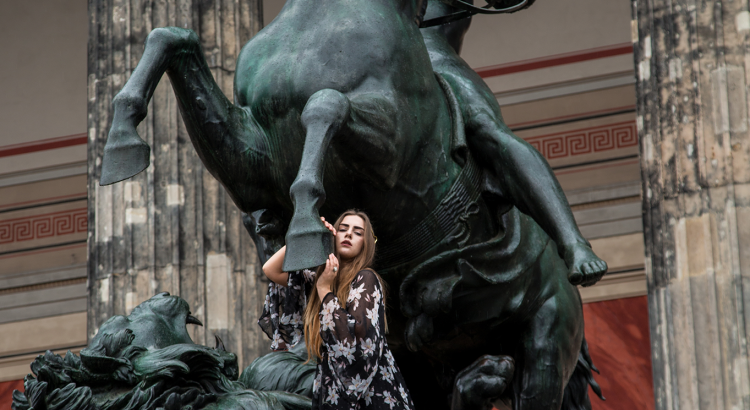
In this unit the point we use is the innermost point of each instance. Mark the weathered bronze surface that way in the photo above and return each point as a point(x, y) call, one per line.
point(476, 239)
point(147, 361)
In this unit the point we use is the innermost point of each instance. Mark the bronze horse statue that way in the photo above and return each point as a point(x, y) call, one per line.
point(342, 104)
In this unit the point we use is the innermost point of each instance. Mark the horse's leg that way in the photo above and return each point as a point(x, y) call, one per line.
point(549, 344)
point(308, 241)
point(212, 121)
point(371, 143)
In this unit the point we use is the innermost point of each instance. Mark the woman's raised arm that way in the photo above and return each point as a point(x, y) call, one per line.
point(272, 268)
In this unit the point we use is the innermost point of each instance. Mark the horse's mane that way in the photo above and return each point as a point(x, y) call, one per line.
point(172, 377)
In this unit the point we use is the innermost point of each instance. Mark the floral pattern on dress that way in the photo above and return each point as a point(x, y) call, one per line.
point(283, 310)
point(357, 369)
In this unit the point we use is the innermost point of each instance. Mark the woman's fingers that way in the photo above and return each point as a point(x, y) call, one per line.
point(326, 279)
point(327, 275)
point(332, 265)
point(328, 226)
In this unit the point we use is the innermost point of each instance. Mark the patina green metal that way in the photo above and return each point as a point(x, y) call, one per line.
point(349, 105)
point(147, 361)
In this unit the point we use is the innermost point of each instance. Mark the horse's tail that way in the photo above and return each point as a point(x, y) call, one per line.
point(577, 391)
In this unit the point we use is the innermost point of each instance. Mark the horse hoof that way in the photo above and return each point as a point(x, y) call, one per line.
point(124, 156)
point(307, 246)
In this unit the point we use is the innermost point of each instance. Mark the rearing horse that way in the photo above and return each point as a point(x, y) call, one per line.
point(314, 73)
point(347, 89)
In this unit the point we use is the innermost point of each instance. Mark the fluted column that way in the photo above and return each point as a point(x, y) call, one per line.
point(172, 227)
point(692, 65)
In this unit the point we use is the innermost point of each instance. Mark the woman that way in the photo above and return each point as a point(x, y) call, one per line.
point(355, 366)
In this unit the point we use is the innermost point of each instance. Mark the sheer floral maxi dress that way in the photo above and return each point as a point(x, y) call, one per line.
point(357, 369)
point(283, 310)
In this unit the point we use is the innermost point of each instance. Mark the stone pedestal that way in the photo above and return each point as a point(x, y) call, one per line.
point(171, 228)
point(692, 63)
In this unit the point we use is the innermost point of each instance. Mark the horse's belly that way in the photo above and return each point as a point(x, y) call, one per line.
point(289, 87)
point(287, 82)
point(291, 59)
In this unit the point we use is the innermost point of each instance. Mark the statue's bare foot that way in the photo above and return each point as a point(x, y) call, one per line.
point(480, 384)
point(125, 153)
point(584, 267)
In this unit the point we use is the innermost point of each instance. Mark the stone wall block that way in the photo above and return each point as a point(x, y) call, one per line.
point(230, 45)
point(166, 228)
point(184, 14)
point(692, 113)
point(686, 372)
point(708, 354)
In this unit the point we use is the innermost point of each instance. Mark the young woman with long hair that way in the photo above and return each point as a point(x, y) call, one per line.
point(344, 322)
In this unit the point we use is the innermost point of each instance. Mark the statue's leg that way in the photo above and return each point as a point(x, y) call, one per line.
point(308, 241)
point(549, 344)
point(528, 181)
point(368, 134)
point(213, 122)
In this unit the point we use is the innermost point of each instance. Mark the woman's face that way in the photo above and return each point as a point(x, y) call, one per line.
point(350, 237)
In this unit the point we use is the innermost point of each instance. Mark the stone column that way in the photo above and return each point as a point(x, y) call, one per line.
point(693, 65)
point(171, 228)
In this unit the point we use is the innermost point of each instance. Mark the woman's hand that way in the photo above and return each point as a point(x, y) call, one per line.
point(325, 281)
point(329, 226)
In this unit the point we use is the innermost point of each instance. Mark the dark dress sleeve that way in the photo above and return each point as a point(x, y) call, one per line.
point(283, 310)
point(353, 336)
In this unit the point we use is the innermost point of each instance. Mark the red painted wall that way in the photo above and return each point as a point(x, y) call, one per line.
point(6, 392)
point(617, 332)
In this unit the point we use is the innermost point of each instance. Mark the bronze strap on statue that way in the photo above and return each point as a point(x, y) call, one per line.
point(441, 223)
point(468, 10)
point(448, 219)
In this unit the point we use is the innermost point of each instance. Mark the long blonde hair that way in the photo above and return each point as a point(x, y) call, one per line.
point(347, 272)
